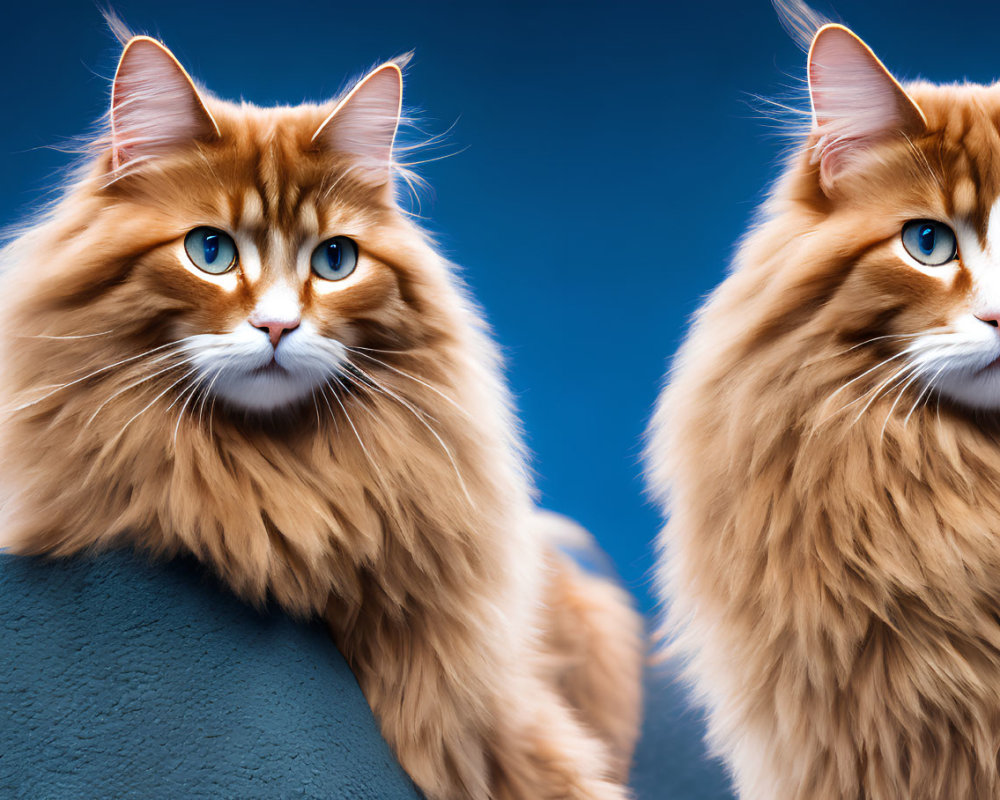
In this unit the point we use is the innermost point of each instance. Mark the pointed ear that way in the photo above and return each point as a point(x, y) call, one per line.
point(855, 101)
point(364, 123)
point(154, 104)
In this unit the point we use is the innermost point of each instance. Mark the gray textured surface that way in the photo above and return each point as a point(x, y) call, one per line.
point(126, 679)
point(122, 679)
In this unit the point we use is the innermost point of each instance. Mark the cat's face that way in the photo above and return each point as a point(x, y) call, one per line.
point(245, 251)
point(901, 251)
point(929, 271)
point(280, 260)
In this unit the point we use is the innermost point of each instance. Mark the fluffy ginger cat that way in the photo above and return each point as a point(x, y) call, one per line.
point(228, 339)
point(828, 452)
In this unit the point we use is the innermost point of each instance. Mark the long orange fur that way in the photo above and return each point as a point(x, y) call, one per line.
point(832, 555)
point(394, 503)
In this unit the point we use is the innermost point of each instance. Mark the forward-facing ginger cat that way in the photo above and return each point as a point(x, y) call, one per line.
point(828, 452)
point(227, 338)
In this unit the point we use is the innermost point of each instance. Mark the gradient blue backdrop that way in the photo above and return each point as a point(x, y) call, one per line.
point(611, 158)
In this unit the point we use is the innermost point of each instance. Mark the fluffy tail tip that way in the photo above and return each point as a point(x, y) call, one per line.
point(577, 543)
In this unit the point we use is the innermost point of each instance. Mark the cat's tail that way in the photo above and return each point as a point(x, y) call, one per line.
point(594, 637)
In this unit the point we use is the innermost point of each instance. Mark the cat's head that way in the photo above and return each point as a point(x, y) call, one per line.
point(883, 237)
point(229, 250)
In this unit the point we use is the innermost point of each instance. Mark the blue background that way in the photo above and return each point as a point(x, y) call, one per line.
point(610, 156)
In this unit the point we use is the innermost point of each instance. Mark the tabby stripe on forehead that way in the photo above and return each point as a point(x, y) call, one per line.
point(289, 203)
point(290, 196)
point(277, 165)
point(261, 182)
point(236, 199)
point(980, 214)
point(977, 144)
point(307, 201)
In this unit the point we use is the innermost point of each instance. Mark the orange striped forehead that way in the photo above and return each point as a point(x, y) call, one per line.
point(279, 194)
point(263, 177)
point(963, 148)
point(953, 170)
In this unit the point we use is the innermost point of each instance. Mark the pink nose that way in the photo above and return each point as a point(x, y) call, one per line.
point(275, 329)
point(991, 317)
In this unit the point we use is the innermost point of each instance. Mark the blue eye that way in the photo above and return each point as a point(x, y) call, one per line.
point(929, 242)
point(335, 258)
point(211, 250)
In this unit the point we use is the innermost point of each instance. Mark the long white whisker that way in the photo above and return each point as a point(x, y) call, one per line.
point(97, 372)
point(206, 394)
point(351, 423)
point(916, 374)
point(211, 415)
point(882, 338)
point(865, 373)
point(131, 386)
point(191, 392)
point(381, 387)
point(420, 418)
point(211, 408)
point(146, 408)
point(78, 336)
point(885, 388)
point(400, 372)
point(854, 380)
point(333, 414)
point(319, 422)
point(925, 391)
point(177, 399)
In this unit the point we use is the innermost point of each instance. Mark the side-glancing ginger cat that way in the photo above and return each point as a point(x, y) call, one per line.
point(828, 452)
point(228, 339)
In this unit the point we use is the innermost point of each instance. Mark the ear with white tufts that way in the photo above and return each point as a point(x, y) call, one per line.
point(364, 123)
point(855, 101)
point(154, 104)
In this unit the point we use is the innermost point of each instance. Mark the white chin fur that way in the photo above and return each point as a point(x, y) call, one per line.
point(270, 391)
point(959, 363)
point(976, 390)
point(235, 366)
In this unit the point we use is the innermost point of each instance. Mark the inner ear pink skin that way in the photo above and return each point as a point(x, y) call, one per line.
point(855, 100)
point(365, 123)
point(154, 104)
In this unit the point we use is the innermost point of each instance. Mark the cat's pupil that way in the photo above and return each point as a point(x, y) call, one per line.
point(333, 255)
point(211, 245)
point(926, 239)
